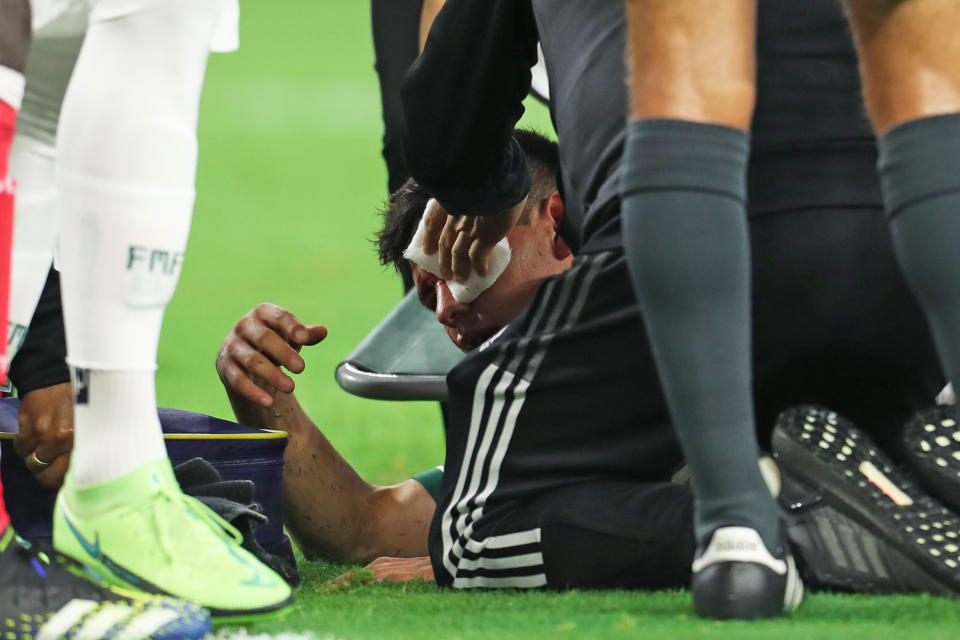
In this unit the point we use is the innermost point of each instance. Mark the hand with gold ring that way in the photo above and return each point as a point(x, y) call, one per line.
point(46, 433)
point(37, 461)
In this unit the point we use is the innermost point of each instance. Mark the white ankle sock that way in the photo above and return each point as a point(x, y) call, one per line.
point(116, 425)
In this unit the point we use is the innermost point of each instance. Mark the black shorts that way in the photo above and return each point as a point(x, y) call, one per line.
point(567, 401)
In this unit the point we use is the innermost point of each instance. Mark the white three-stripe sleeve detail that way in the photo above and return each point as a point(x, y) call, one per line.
point(517, 539)
point(507, 582)
point(501, 564)
point(455, 517)
point(478, 401)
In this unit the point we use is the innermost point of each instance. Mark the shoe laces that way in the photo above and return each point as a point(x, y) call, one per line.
point(220, 527)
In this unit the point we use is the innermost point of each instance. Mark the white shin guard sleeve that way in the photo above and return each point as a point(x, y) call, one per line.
point(127, 157)
point(120, 256)
point(49, 66)
point(34, 232)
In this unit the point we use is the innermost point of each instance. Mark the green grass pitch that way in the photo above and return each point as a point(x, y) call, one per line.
point(289, 184)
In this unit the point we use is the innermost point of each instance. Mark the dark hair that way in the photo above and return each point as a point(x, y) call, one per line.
point(407, 203)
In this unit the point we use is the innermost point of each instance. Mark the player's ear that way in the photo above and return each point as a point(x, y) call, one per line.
point(553, 206)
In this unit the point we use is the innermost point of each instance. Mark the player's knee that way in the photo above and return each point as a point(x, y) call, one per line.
point(908, 65)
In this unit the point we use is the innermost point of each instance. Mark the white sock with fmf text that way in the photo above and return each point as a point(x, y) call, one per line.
point(127, 157)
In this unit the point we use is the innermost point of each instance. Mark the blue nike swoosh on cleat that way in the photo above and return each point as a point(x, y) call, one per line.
point(119, 571)
point(92, 548)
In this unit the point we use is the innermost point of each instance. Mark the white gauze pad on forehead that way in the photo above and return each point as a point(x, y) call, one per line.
point(475, 284)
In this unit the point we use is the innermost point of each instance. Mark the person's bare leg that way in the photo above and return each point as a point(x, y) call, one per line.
point(692, 60)
point(692, 76)
point(909, 59)
point(910, 64)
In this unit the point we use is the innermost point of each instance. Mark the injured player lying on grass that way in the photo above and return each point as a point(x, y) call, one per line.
point(851, 515)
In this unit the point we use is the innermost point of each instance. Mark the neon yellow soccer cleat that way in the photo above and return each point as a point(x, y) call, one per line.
point(141, 532)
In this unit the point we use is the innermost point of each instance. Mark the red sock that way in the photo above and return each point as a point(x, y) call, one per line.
point(8, 121)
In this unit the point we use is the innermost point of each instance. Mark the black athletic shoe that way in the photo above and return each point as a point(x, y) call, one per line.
point(42, 599)
point(932, 441)
point(736, 577)
point(856, 522)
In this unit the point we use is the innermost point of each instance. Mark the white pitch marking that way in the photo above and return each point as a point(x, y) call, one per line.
point(241, 634)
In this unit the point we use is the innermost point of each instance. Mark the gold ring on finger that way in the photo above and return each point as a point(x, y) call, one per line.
point(38, 461)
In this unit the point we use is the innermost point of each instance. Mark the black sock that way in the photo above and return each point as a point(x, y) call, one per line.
point(920, 175)
point(687, 244)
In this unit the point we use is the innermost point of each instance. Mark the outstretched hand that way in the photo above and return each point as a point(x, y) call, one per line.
point(465, 243)
point(402, 569)
point(264, 340)
point(387, 569)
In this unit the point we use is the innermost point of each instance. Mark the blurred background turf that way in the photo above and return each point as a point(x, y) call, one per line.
point(289, 187)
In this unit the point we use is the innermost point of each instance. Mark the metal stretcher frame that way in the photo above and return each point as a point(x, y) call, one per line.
point(405, 357)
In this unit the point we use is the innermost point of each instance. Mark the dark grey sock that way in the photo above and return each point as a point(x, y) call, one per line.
point(920, 175)
point(686, 241)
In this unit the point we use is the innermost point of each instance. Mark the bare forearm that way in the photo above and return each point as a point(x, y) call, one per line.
point(328, 508)
point(325, 503)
